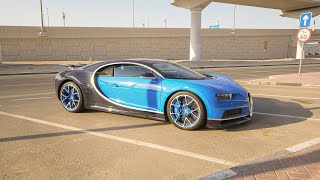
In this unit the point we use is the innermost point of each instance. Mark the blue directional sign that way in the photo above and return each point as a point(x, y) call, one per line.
point(305, 20)
point(214, 27)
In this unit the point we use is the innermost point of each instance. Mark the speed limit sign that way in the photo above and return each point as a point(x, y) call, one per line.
point(304, 35)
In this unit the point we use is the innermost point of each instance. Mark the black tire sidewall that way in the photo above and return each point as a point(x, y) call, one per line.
point(80, 106)
point(203, 112)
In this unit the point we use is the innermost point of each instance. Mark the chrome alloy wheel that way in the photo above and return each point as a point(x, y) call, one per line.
point(185, 111)
point(70, 97)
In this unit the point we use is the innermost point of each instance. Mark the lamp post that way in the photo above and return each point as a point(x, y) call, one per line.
point(132, 13)
point(64, 14)
point(234, 19)
point(42, 30)
point(48, 16)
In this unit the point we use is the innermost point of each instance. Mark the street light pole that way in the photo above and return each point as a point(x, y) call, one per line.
point(234, 19)
point(42, 30)
point(132, 13)
point(48, 16)
point(64, 14)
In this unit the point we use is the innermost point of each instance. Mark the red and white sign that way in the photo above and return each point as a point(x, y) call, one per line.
point(304, 35)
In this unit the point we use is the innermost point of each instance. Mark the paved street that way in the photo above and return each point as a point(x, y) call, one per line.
point(39, 138)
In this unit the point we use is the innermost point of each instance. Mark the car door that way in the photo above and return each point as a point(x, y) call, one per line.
point(129, 88)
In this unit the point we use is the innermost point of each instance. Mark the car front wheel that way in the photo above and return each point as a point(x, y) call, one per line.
point(186, 111)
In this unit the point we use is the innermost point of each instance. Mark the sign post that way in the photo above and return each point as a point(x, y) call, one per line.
point(303, 36)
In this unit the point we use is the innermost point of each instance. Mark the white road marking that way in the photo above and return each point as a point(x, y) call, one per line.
point(24, 95)
point(26, 99)
point(17, 85)
point(304, 145)
point(247, 83)
point(126, 140)
point(294, 97)
point(287, 116)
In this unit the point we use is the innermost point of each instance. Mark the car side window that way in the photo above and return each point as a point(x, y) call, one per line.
point(130, 70)
point(106, 71)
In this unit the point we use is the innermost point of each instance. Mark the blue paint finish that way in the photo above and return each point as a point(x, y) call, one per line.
point(206, 90)
point(151, 94)
point(134, 92)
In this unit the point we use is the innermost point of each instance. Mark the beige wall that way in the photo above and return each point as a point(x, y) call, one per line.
point(24, 44)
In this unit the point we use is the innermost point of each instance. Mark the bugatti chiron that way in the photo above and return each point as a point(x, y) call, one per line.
point(155, 89)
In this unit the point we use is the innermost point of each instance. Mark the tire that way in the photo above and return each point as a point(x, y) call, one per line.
point(186, 111)
point(71, 97)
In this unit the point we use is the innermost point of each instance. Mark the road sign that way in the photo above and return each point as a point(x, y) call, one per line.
point(305, 19)
point(304, 35)
point(214, 27)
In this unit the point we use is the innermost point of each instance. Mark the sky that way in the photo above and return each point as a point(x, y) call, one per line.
point(118, 13)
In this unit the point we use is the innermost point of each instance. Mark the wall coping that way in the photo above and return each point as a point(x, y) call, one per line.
point(9, 32)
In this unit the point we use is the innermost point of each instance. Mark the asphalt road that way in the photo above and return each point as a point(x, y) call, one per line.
point(39, 139)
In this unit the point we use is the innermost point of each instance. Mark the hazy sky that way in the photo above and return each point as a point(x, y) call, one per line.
point(118, 13)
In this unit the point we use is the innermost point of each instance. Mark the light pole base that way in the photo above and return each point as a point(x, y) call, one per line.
point(42, 34)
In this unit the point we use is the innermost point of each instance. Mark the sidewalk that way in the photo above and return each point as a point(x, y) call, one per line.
point(304, 164)
point(305, 79)
point(244, 63)
point(24, 69)
point(298, 162)
point(52, 67)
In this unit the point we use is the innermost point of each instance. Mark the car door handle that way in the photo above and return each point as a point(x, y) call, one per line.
point(115, 85)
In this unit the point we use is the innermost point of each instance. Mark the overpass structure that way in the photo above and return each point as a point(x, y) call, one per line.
point(289, 8)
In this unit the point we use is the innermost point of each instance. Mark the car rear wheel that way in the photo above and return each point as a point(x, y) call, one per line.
point(71, 97)
point(186, 111)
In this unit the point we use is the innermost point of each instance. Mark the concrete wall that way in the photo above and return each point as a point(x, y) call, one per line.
point(313, 48)
point(24, 43)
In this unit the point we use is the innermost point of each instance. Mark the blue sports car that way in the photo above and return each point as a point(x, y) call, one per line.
point(156, 89)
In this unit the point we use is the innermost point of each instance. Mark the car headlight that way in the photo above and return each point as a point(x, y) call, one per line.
point(223, 96)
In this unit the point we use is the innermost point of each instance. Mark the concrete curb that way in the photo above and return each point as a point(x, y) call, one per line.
point(228, 173)
point(27, 73)
point(194, 67)
point(254, 82)
point(248, 65)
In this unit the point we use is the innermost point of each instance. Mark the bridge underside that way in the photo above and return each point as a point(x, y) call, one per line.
point(289, 8)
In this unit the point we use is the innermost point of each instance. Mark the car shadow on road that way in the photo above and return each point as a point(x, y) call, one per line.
point(267, 111)
point(68, 133)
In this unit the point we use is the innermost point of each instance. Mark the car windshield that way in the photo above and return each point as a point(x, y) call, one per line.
point(174, 71)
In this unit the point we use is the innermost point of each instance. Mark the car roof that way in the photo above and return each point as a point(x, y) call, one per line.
point(144, 61)
point(138, 60)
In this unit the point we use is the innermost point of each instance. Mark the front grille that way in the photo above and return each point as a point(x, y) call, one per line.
point(231, 113)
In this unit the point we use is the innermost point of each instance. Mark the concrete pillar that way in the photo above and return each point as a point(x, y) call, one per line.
point(300, 51)
point(195, 36)
point(0, 54)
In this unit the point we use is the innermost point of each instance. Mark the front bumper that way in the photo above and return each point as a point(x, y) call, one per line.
point(233, 120)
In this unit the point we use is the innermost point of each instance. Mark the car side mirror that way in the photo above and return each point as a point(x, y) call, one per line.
point(207, 75)
point(147, 76)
